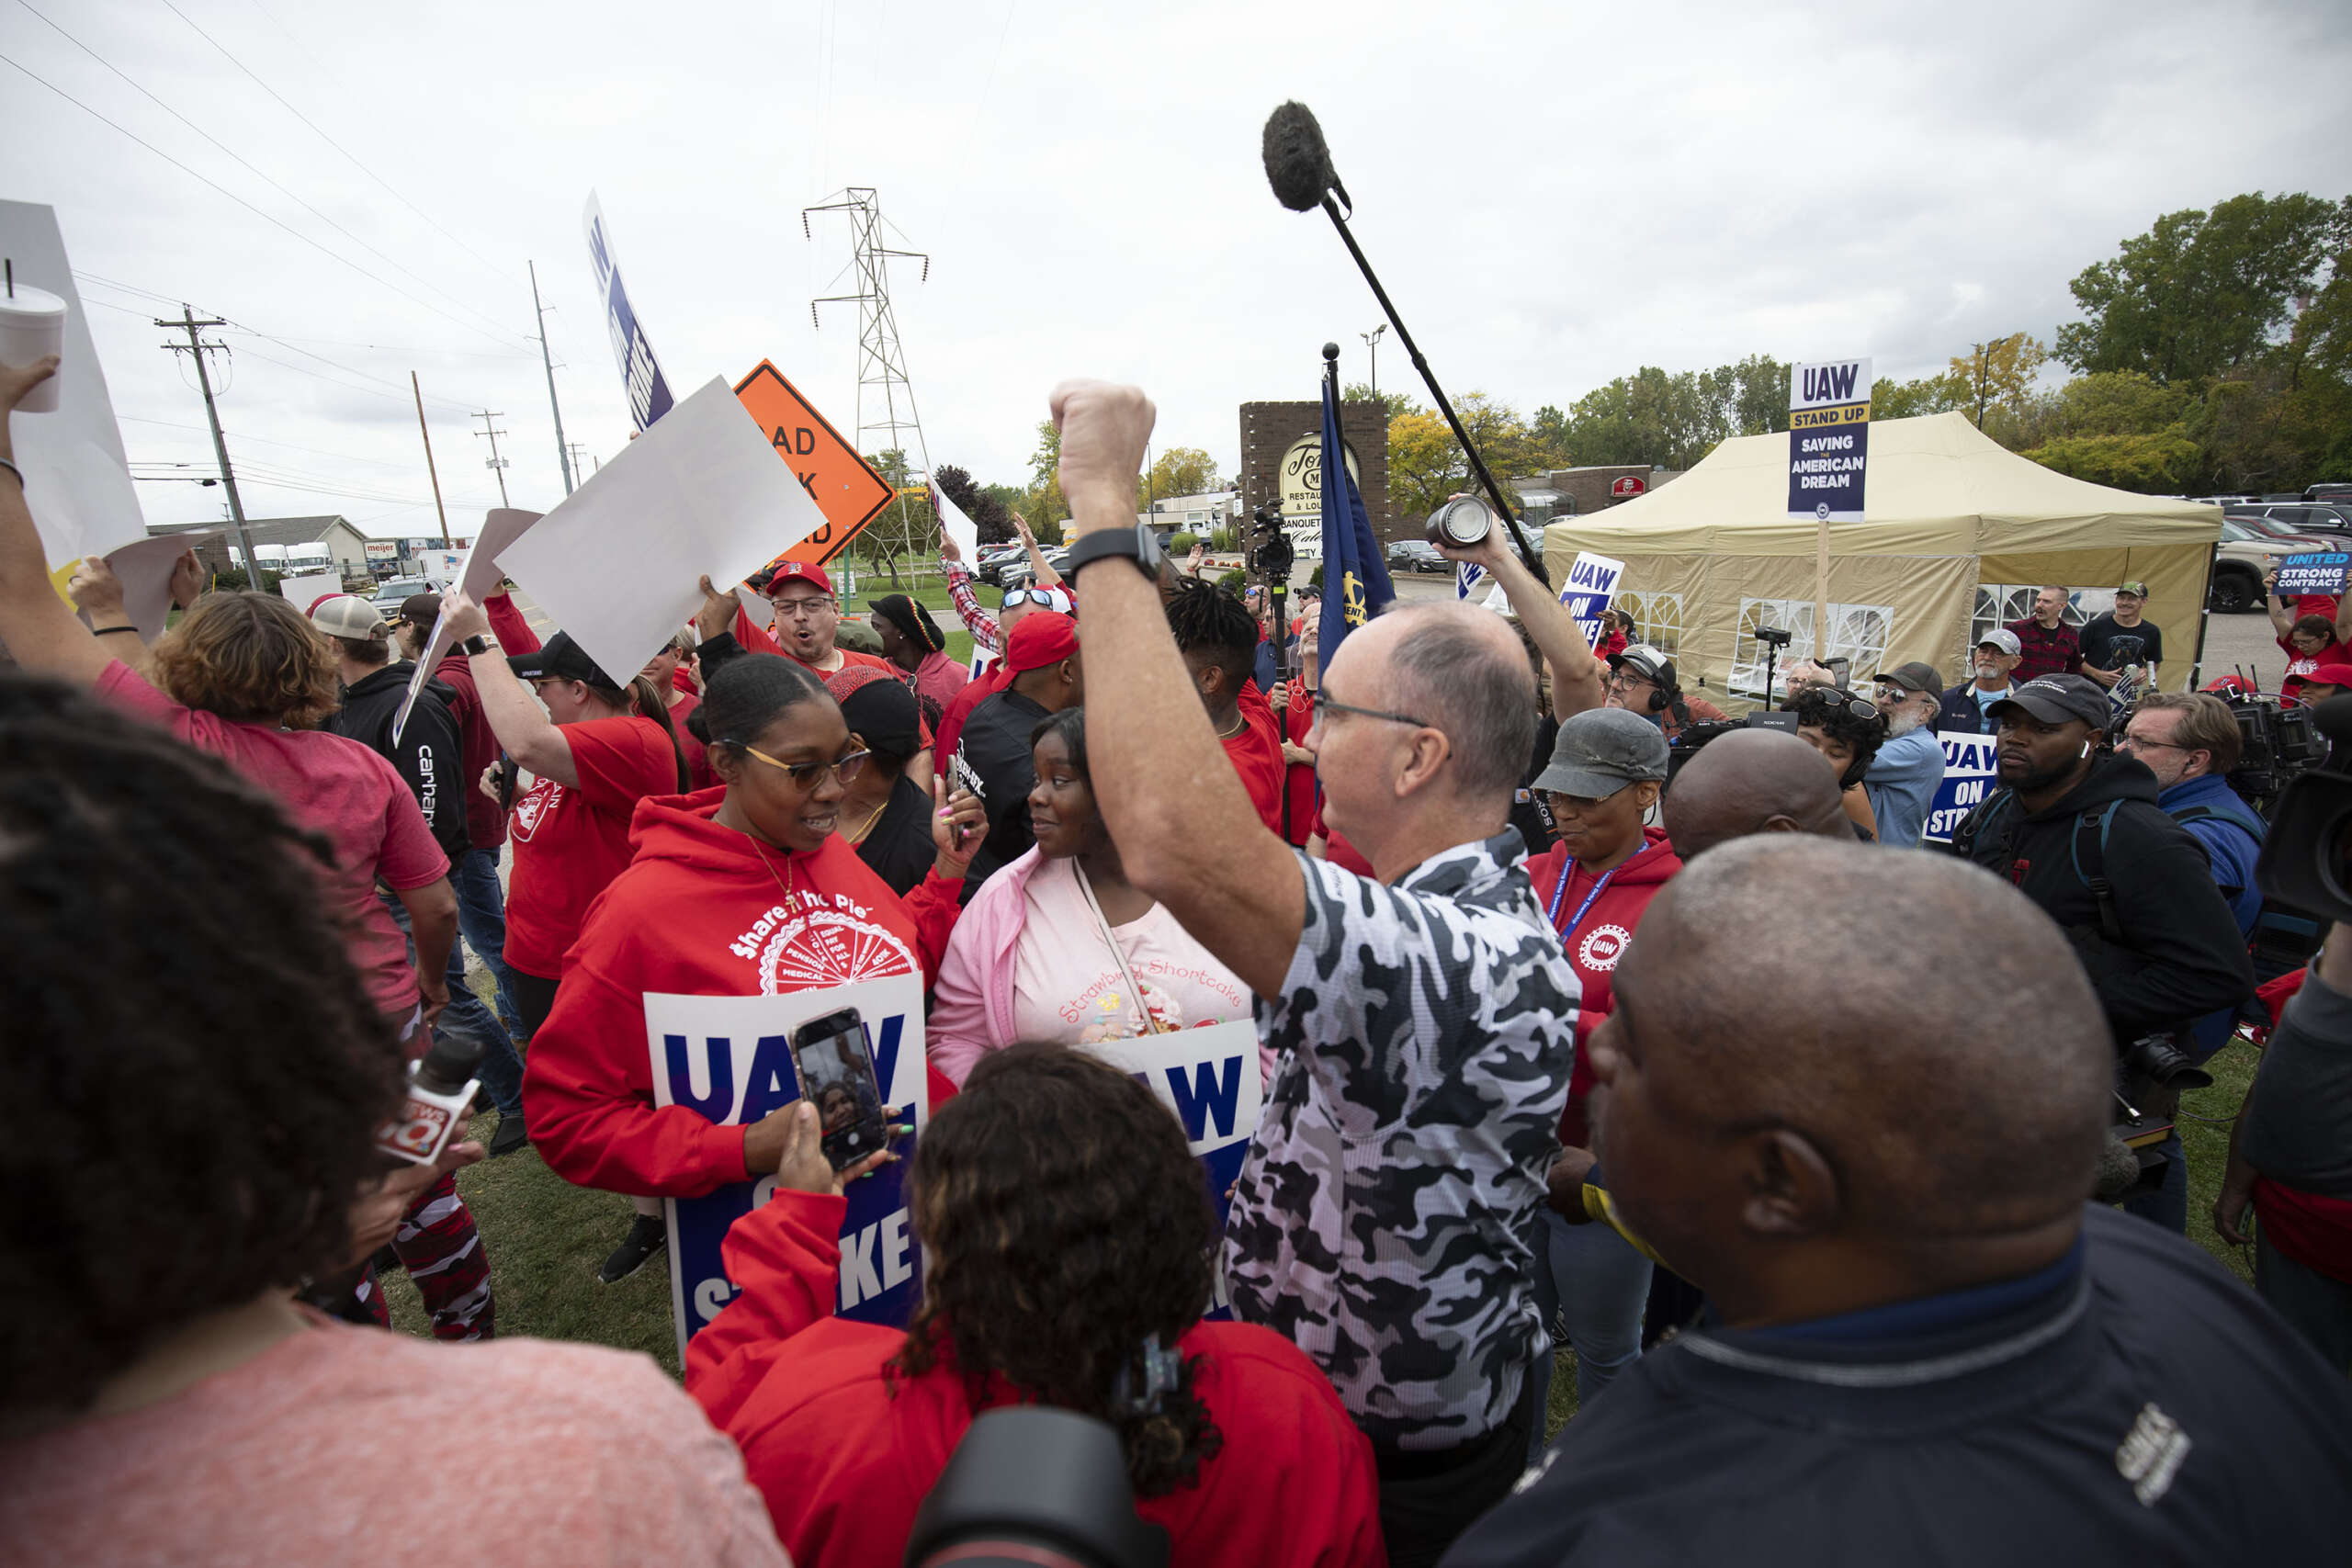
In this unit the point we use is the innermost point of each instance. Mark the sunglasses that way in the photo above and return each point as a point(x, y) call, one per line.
point(1051, 598)
point(1324, 704)
point(805, 775)
point(1853, 703)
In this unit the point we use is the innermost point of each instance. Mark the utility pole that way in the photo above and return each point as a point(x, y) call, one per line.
point(580, 463)
point(496, 463)
point(1372, 342)
point(196, 348)
point(539, 313)
point(439, 509)
point(881, 359)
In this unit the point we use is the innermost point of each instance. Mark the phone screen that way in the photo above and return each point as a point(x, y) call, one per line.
point(836, 1068)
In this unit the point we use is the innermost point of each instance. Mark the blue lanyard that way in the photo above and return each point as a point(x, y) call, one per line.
point(1560, 893)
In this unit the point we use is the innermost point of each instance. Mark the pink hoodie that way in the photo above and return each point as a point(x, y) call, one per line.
point(971, 1007)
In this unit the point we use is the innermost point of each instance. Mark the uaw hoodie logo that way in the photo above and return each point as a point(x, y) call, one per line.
point(821, 938)
point(1601, 950)
point(534, 805)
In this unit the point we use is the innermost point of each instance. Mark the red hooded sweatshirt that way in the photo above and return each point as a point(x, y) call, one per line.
point(1595, 942)
point(844, 1456)
point(1256, 752)
point(701, 910)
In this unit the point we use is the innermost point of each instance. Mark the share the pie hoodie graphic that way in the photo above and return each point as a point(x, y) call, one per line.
point(701, 910)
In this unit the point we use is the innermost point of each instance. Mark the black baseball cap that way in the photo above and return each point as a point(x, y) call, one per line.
point(1916, 676)
point(561, 660)
point(2058, 699)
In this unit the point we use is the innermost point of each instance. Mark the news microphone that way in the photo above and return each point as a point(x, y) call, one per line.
point(439, 1089)
point(1299, 167)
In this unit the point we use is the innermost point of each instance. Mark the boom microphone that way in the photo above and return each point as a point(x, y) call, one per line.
point(1298, 161)
point(1299, 165)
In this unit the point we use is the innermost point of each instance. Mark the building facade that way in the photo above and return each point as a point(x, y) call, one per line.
point(1276, 467)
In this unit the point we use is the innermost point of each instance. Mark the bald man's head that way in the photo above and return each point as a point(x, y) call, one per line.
point(1767, 1094)
point(1752, 781)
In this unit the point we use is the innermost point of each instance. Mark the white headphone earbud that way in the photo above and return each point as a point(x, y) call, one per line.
point(2087, 747)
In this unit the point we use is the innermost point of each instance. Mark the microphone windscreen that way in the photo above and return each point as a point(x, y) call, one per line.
point(1298, 165)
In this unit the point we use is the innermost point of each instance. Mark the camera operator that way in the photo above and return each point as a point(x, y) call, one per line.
point(1923, 1346)
point(1422, 1018)
point(2080, 832)
point(1641, 679)
point(2290, 1158)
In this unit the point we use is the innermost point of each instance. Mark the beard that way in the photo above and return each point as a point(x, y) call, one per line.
point(1903, 723)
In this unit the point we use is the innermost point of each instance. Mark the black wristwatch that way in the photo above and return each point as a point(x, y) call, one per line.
point(1141, 547)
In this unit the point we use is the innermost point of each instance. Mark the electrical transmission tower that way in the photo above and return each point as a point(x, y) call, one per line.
point(496, 465)
point(882, 385)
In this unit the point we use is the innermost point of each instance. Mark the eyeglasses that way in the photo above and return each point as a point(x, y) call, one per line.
point(805, 604)
point(1324, 704)
point(804, 775)
point(2129, 742)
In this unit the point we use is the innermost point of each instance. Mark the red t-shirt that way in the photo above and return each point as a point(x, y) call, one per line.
point(697, 759)
point(1256, 751)
point(507, 624)
point(569, 842)
point(1339, 852)
point(1298, 778)
point(2300, 665)
point(333, 786)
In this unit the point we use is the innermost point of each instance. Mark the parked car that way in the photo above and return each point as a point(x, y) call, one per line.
point(1020, 575)
point(2247, 554)
point(2333, 519)
point(392, 591)
point(1416, 554)
point(989, 562)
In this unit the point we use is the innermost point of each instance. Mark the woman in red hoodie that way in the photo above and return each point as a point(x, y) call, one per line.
point(1605, 775)
point(741, 891)
point(1067, 1235)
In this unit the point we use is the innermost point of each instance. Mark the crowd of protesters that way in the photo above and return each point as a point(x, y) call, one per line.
point(1588, 1020)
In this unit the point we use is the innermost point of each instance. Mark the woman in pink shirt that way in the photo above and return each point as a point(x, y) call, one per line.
point(1059, 946)
point(196, 1068)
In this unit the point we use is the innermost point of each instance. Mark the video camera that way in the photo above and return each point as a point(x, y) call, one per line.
point(2306, 859)
point(1271, 551)
point(1030, 1484)
point(1681, 747)
point(2277, 745)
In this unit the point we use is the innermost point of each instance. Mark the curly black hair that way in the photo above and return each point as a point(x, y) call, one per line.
point(1839, 715)
point(1065, 1220)
point(195, 1070)
point(1215, 627)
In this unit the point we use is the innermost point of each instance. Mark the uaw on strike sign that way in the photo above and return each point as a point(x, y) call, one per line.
point(730, 1059)
point(1829, 440)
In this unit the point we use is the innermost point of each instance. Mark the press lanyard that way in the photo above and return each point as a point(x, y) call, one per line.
point(1560, 893)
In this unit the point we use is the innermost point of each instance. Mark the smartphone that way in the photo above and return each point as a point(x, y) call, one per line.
point(836, 1064)
point(1842, 669)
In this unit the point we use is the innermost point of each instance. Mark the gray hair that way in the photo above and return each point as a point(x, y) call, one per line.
point(1453, 672)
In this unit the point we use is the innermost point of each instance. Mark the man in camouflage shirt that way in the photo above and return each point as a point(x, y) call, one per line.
point(1424, 1022)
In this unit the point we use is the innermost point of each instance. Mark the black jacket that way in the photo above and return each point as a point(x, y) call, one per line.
point(2154, 1411)
point(1959, 714)
point(430, 756)
point(992, 761)
point(2178, 955)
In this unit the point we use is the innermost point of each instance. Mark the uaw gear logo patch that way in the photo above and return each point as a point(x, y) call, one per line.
point(1602, 947)
point(830, 947)
point(533, 807)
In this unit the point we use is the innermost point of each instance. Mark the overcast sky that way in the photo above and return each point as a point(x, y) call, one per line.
point(1554, 194)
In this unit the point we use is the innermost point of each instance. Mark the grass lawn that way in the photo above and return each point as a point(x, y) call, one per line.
point(928, 590)
point(545, 1238)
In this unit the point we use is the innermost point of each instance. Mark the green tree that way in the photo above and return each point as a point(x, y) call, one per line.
point(2200, 292)
point(2164, 461)
point(1399, 403)
point(1426, 464)
point(1180, 470)
point(1044, 505)
point(991, 519)
point(908, 526)
point(1996, 378)
point(1909, 399)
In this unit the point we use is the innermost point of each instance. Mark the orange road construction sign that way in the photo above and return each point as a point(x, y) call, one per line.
point(843, 484)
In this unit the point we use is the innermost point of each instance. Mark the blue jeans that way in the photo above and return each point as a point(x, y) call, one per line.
point(2168, 1205)
point(502, 1069)
point(1598, 1283)
point(482, 921)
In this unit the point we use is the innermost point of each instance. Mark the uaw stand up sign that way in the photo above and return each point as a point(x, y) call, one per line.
point(1829, 440)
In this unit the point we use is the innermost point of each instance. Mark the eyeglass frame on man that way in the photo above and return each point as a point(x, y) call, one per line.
point(1323, 704)
point(804, 604)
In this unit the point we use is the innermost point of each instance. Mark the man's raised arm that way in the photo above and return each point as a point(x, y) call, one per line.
point(1183, 823)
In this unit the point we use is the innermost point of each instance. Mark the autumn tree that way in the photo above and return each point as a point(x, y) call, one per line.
point(1180, 470)
point(1426, 464)
point(909, 525)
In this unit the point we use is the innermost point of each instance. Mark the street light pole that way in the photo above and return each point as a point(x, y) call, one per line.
point(1372, 342)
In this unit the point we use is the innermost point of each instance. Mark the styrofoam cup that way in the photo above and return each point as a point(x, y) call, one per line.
point(32, 324)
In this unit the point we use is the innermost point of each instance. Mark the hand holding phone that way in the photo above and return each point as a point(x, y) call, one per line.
point(836, 1066)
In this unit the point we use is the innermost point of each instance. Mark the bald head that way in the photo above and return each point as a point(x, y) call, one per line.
point(1752, 781)
point(1963, 1097)
point(1461, 670)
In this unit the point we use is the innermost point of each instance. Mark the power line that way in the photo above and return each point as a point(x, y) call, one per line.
point(240, 202)
point(195, 350)
point(330, 141)
point(497, 464)
point(314, 451)
point(246, 163)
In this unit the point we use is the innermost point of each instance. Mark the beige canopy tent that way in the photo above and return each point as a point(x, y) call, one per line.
point(1957, 534)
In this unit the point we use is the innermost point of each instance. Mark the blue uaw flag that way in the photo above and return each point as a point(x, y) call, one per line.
point(1355, 573)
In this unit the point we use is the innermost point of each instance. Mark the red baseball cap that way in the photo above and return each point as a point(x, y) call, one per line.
point(2326, 674)
point(801, 569)
point(1039, 639)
